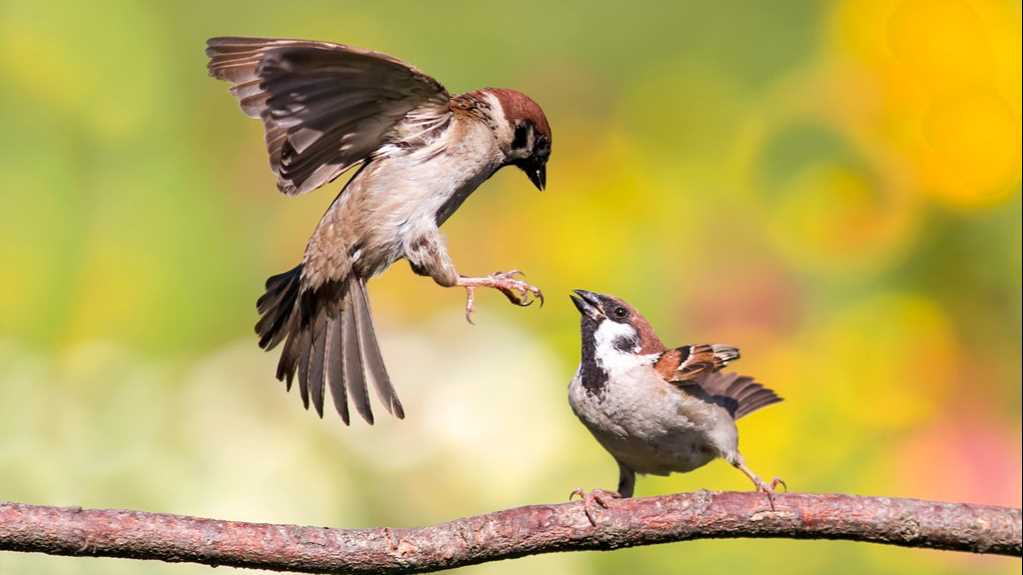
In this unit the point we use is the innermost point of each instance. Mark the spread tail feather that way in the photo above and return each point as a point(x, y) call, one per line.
point(329, 341)
point(372, 359)
point(739, 394)
point(353, 376)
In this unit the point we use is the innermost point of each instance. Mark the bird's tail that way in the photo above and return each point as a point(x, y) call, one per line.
point(739, 394)
point(328, 340)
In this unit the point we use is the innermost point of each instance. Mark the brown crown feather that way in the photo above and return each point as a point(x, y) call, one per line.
point(518, 106)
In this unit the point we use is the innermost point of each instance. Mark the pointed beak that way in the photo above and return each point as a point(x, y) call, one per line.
point(538, 175)
point(587, 303)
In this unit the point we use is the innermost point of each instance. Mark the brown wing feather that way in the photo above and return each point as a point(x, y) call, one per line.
point(738, 394)
point(325, 107)
point(690, 362)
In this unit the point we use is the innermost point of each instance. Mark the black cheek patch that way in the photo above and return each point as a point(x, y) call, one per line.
point(521, 133)
point(625, 344)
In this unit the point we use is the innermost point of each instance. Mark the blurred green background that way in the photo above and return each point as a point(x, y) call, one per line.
point(832, 186)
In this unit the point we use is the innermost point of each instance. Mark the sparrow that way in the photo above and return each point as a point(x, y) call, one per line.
point(656, 410)
point(418, 153)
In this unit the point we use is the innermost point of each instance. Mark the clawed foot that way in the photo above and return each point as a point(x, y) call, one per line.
point(770, 489)
point(517, 291)
point(599, 496)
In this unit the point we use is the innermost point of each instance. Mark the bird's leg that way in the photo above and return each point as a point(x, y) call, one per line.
point(428, 256)
point(766, 488)
point(600, 497)
point(626, 480)
point(517, 291)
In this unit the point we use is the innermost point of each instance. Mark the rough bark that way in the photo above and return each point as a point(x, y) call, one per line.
point(511, 533)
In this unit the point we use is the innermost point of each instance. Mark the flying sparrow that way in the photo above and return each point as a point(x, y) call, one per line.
point(656, 410)
point(420, 152)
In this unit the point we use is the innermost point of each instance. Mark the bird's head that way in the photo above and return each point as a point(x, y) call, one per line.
point(522, 132)
point(611, 326)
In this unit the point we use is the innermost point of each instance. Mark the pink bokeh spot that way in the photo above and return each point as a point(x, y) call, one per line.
point(965, 459)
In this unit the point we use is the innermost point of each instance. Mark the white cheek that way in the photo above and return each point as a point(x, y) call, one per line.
point(610, 358)
point(609, 331)
point(502, 130)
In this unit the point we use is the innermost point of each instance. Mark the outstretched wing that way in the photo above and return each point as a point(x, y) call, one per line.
point(738, 394)
point(325, 107)
point(690, 362)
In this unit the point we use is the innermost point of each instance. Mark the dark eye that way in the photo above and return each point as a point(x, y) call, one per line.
point(521, 135)
point(620, 312)
point(542, 144)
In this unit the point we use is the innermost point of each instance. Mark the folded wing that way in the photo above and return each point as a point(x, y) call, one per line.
point(696, 369)
point(738, 394)
point(690, 362)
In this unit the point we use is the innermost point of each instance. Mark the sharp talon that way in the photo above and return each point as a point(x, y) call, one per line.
point(588, 498)
point(588, 510)
point(514, 290)
point(513, 297)
point(776, 482)
point(766, 490)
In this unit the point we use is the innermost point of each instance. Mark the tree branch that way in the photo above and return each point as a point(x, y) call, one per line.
point(507, 534)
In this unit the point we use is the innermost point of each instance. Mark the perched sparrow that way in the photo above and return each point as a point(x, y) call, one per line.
point(656, 410)
point(326, 108)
